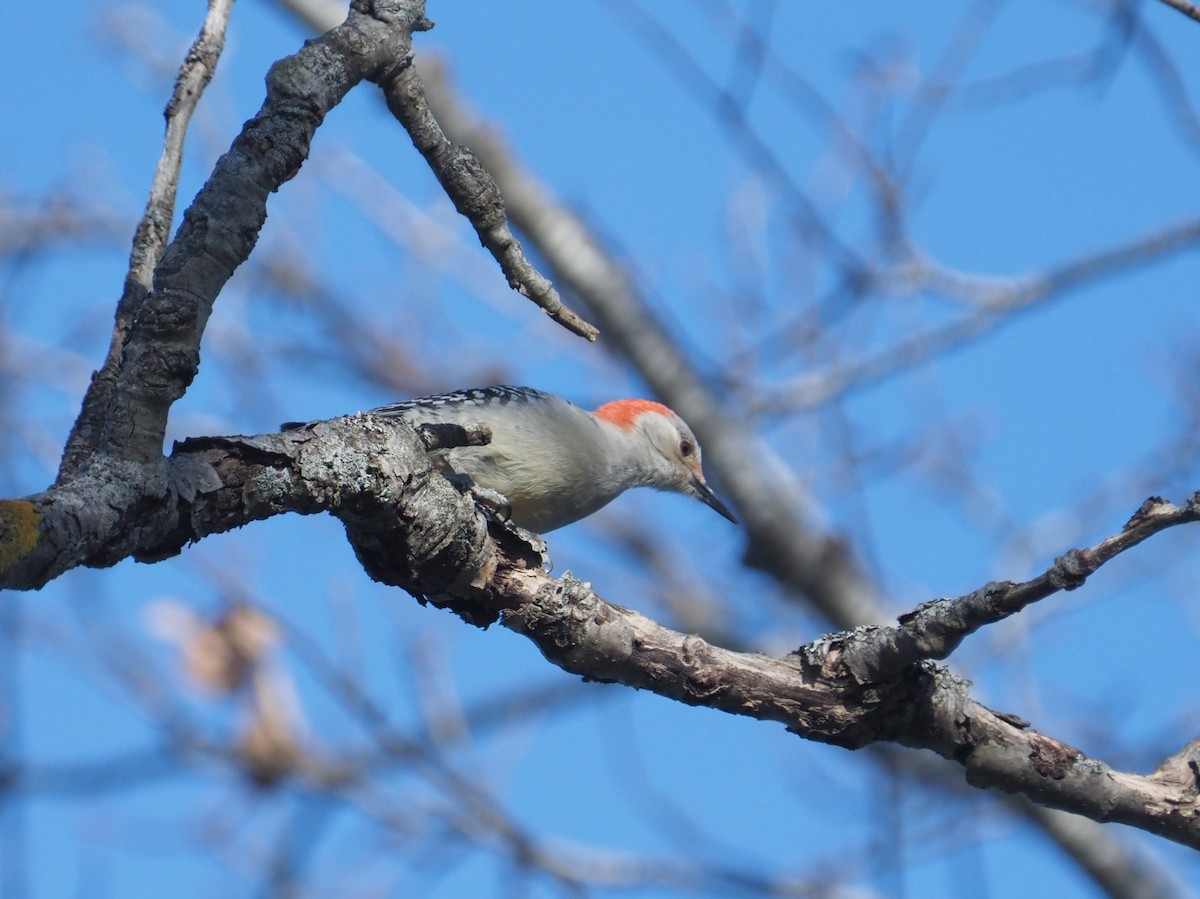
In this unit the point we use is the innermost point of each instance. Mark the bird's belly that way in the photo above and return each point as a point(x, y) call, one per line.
point(539, 502)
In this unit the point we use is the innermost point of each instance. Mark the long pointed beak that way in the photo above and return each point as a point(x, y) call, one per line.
point(705, 495)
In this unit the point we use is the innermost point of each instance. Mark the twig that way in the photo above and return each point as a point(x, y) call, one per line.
point(476, 197)
point(464, 179)
point(934, 630)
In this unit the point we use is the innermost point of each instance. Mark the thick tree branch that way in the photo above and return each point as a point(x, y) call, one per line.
point(374, 474)
point(840, 590)
point(155, 350)
point(816, 695)
point(160, 354)
point(411, 528)
point(150, 237)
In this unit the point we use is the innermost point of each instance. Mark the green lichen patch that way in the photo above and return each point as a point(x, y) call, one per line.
point(19, 520)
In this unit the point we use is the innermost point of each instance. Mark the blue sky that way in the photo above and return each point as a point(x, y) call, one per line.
point(1045, 434)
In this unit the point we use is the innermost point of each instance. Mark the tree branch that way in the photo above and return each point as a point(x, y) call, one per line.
point(934, 630)
point(411, 528)
point(160, 354)
point(371, 473)
point(816, 695)
point(475, 196)
point(150, 237)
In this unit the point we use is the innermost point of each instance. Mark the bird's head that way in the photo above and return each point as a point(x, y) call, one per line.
point(672, 461)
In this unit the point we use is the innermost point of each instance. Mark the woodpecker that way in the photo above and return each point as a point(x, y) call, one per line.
point(556, 463)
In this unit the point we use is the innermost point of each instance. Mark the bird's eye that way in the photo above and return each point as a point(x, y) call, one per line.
point(686, 448)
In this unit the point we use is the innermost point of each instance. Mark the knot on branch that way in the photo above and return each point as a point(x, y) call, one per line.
point(476, 195)
point(1070, 570)
point(1147, 510)
point(408, 13)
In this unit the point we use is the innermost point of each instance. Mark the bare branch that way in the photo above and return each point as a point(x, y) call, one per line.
point(411, 529)
point(817, 697)
point(151, 235)
point(161, 353)
point(476, 197)
point(934, 630)
point(468, 183)
point(215, 484)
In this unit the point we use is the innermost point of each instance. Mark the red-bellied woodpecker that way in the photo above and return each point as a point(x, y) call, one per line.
point(556, 463)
